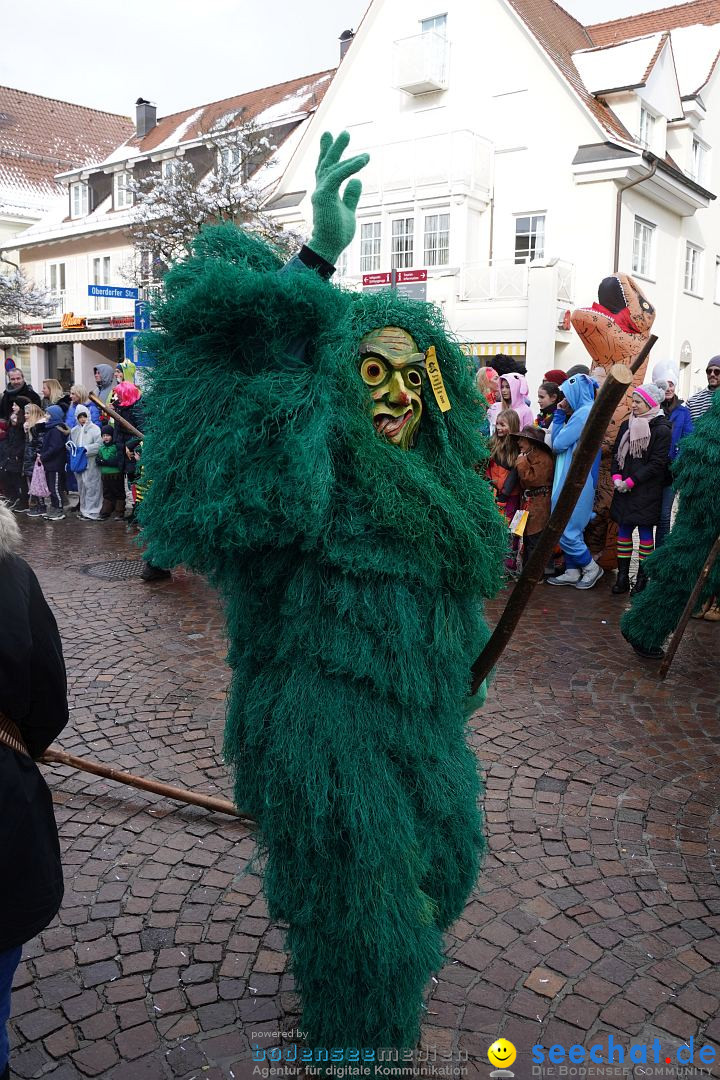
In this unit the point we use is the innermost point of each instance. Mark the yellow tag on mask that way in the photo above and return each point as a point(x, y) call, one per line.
point(436, 380)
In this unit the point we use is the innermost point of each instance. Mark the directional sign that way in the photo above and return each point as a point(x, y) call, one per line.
point(114, 292)
point(410, 283)
point(375, 280)
point(133, 351)
point(407, 277)
point(142, 315)
point(130, 339)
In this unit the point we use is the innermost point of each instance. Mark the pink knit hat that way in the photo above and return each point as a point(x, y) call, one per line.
point(651, 394)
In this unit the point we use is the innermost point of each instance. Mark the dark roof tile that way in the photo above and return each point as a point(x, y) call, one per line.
point(40, 137)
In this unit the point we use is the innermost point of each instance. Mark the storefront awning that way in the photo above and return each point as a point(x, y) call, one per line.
point(508, 348)
point(75, 335)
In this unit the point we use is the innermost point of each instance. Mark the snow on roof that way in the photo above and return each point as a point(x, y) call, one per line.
point(696, 49)
point(293, 103)
point(187, 129)
point(617, 66)
point(40, 136)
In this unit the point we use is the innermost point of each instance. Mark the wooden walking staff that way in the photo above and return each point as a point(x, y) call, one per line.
point(115, 415)
point(689, 608)
point(208, 802)
point(616, 384)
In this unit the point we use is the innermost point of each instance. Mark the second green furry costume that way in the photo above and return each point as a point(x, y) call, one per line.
point(673, 569)
point(340, 514)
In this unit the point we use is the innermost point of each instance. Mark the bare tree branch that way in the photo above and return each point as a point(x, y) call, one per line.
point(170, 209)
point(21, 296)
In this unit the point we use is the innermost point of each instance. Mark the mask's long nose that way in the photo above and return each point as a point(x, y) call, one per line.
point(397, 393)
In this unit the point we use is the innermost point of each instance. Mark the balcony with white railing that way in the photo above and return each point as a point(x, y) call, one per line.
point(459, 162)
point(497, 279)
point(421, 63)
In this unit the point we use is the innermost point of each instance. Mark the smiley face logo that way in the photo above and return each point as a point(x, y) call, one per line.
point(502, 1053)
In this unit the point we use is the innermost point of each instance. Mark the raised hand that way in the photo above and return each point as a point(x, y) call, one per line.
point(334, 217)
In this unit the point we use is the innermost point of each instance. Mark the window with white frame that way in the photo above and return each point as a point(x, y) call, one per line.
point(529, 237)
point(150, 267)
point(437, 239)
point(438, 23)
point(122, 195)
point(647, 127)
point(101, 276)
point(169, 168)
point(228, 160)
point(693, 269)
point(370, 241)
point(717, 279)
point(699, 159)
point(79, 199)
point(341, 267)
point(643, 247)
point(56, 284)
point(56, 278)
point(401, 254)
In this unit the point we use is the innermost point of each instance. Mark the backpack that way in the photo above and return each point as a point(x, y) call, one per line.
point(77, 457)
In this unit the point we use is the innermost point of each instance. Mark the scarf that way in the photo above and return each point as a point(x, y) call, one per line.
point(637, 437)
point(622, 318)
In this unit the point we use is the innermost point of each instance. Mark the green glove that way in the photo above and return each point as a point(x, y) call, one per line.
point(477, 700)
point(334, 217)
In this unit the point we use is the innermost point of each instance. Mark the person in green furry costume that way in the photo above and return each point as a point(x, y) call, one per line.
point(340, 513)
point(673, 569)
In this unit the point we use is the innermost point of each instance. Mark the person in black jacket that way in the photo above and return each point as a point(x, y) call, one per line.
point(126, 399)
point(33, 711)
point(639, 466)
point(12, 454)
point(16, 387)
point(54, 459)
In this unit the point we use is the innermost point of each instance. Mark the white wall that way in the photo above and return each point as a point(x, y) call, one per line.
point(77, 254)
point(683, 318)
point(502, 90)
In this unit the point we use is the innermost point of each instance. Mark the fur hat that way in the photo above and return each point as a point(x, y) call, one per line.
point(107, 429)
point(665, 371)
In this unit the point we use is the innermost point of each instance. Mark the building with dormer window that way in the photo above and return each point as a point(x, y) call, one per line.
point(518, 157)
point(83, 241)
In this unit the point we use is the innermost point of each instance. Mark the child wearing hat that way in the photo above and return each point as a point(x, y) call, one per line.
point(535, 465)
point(639, 468)
point(113, 480)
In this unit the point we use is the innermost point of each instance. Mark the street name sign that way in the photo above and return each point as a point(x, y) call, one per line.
point(114, 292)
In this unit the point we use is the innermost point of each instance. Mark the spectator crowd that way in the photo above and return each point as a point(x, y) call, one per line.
point(530, 457)
point(61, 453)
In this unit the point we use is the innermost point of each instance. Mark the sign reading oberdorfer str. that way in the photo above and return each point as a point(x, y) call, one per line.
point(115, 292)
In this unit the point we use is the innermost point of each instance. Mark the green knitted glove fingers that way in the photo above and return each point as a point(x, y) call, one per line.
point(334, 217)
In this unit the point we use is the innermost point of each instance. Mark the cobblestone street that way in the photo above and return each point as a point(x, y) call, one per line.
point(597, 912)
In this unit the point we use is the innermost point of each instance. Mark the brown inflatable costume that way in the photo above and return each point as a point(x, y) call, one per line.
point(613, 331)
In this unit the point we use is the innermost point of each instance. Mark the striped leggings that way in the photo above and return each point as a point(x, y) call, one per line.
point(625, 541)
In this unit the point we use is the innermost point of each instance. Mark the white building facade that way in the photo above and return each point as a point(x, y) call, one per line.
point(85, 241)
point(497, 159)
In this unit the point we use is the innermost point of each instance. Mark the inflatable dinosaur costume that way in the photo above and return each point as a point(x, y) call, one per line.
point(335, 503)
point(613, 331)
point(673, 569)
